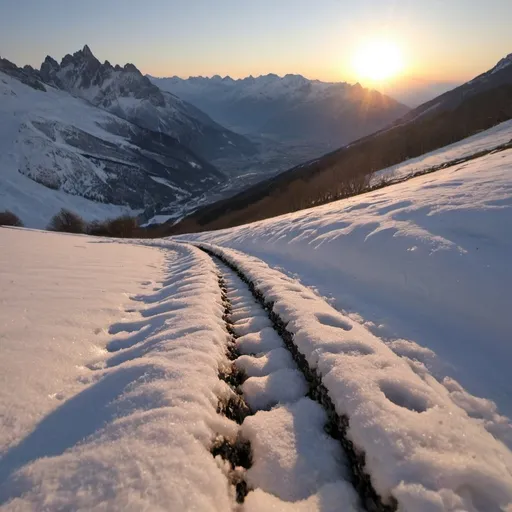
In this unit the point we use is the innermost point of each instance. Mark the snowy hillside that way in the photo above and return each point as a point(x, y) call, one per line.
point(59, 151)
point(425, 261)
point(207, 380)
point(484, 141)
point(353, 356)
point(290, 107)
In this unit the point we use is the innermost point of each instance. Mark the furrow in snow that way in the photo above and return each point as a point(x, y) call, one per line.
point(294, 461)
point(235, 451)
point(398, 426)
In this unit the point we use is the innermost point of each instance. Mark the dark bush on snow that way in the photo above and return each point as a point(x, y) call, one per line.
point(67, 221)
point(121, 227)
point(8, 218)
point(98, 228)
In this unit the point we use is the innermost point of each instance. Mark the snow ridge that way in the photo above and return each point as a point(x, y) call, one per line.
point(150, 411)
point(421, 448)
point(261, 397)
point(294, 462)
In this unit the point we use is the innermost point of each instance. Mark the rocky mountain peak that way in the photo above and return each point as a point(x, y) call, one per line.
point(80, 72)
point(86, 51)
point(49, 61)
point(503, 63)
point(130, 68)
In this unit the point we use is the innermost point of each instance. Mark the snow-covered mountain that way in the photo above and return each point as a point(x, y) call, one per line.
point(125, 92)
point(289, 107)
point(58, 151)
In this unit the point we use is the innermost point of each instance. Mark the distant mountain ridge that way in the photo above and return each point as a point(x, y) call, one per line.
point(500, 74)
point(125, 92)
point(473, 107)
point(290, 107)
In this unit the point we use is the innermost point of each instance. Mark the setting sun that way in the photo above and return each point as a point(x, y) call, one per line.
point(378, 60)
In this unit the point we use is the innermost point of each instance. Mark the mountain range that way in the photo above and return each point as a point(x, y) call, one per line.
point(107, 134)
point(67, 145)
point(128, 94)
point(468, 109)
point(104, 139)
point(290, 107)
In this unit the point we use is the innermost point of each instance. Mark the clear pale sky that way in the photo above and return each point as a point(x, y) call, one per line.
point(441, 39)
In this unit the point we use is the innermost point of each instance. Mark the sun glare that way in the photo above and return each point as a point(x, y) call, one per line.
point(378, 61)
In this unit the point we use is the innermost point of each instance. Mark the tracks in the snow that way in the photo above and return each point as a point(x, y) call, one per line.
point(239, 452)
point(236, 452)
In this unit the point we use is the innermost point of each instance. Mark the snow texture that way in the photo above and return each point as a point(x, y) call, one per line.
point(293, 459)
point(426, 261)
point(420, 446)
point(121, 420)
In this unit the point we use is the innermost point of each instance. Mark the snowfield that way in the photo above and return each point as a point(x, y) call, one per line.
point(104, 407)
point(424, 264)
point(354, 356)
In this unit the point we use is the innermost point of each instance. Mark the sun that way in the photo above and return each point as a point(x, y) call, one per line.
point(378, 60)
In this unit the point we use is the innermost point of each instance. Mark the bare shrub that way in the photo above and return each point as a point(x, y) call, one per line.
point(98, 228)
point(67, 221)
point(123, 227)
point(8, 218)
point(120, 227)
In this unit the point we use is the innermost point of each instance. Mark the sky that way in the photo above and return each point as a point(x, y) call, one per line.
point(440, 40)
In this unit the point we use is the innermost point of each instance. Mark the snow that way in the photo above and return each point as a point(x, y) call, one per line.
point(281, 386)
point(407, 318)
point(293, 459)
point(158, 219)
point(21, 142)
point(165, 182)
point(502, 64)
point(328, 499)
point(425, 261)
point(293, 456)
point(399, 300)
point(51, 318)
point(486, 140)
point(420, 445)
point(87, 424)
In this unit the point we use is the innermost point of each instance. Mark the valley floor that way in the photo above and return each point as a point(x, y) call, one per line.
point(354, 356)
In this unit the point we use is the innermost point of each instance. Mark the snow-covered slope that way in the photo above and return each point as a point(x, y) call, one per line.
point(84, 427)
point(125, 92)
point(289, 107)
point(188, 379)
point(425, 264)
point(60, 151)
